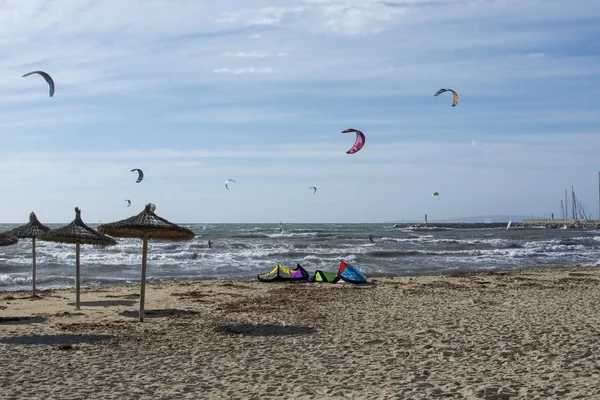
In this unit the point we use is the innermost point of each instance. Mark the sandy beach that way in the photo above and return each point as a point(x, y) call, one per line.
point(522, 335)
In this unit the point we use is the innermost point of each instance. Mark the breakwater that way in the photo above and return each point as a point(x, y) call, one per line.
point(549, 224)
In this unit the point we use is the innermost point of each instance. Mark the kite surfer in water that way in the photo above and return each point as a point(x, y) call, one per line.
point(209, 244)
point(371, 238)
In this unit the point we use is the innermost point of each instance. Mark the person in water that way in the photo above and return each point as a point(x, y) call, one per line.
point(371, 238)
point(209, 244)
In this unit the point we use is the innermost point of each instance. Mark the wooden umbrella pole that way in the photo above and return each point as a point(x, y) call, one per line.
point(143, 288)
point(77, 279)
point(33, 274)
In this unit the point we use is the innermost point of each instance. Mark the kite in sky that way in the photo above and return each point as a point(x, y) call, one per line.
point(140, 174)
point(227, 183)
point(47, 77)
point(454, 95)
point(358, 143)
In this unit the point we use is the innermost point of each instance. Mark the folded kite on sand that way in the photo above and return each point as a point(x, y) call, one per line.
point(281, 273)
point(346, 272)
point(351, 274)
point(325, 276)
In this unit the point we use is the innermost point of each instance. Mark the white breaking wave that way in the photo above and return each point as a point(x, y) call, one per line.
point(247, 250)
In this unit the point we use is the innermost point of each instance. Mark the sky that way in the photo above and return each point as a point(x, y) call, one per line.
point(196, 92)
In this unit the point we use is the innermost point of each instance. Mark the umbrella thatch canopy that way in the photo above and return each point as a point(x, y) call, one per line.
point(77, 233)
point(32, 230)
point(146, 225)
point(7, 239)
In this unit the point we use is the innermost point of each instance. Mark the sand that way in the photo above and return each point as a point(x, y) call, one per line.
point(529, 335)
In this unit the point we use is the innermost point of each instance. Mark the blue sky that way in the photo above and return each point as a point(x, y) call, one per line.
point(259, 91)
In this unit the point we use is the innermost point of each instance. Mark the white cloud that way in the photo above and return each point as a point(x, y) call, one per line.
point(535, 55)
point(262, 16)
point(113, 54)
point(252, 70)
point(244, 70)
point(355, 17)
point(243, 54)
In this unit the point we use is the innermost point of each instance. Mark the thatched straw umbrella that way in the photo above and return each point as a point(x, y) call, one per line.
point(32, 230)
point(78, 233)
point(146, 225)
point(7, 239)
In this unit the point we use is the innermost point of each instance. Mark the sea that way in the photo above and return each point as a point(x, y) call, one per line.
point(245, 250)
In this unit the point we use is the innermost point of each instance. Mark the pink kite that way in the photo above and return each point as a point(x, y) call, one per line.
point(359, 143)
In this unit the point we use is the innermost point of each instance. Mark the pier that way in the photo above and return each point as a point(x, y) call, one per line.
point(532, 223)
point(557, 224)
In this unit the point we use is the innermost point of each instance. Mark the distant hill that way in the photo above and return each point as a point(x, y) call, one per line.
point(478, 219)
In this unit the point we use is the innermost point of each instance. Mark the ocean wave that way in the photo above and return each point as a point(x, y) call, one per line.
point(391, 253)
point(255, 235)
point(290, 254)
point(246, 250)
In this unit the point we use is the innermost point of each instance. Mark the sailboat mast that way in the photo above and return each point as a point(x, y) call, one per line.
point(573, 204)
point(566, 206)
